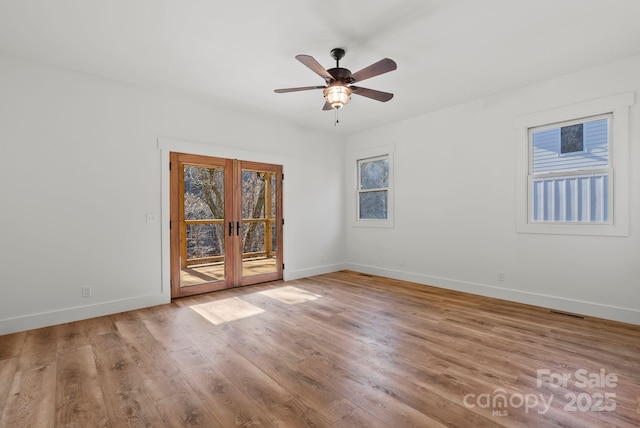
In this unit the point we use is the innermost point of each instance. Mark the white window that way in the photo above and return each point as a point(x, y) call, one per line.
point(373, 188)
point(569, 172)
point(573, 169)
point(374, 196)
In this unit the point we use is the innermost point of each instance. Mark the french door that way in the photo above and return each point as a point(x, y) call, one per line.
point(226, 223)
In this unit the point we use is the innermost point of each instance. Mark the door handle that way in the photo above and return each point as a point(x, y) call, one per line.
point(230, 228)
point(238, 228)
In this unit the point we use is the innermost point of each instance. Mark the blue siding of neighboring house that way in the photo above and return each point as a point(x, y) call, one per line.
point(577, 198)
point(582, 198)
point(546, 149)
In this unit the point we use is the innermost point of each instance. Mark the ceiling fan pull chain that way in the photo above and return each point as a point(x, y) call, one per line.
point(337, 121)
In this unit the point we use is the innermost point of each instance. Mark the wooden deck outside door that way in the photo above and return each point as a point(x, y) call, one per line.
point(226, 223)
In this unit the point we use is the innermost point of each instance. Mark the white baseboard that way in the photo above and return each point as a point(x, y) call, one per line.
point(614, 313)
point(61, 316)
point(290, 275)
point(45, 319)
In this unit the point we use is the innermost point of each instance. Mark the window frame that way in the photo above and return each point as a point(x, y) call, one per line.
point(360, 190)
point(566, 173)
point(618, 169)
point(355, 159)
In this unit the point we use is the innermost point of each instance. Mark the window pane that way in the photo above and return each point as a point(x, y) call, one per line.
point(582, 198)
point(563, 148)
point(374, 174)
point(373, 205)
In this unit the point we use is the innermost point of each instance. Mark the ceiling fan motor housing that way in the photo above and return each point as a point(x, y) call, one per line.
point(341, 75)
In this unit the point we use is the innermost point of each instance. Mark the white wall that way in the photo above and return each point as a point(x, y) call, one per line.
point(81, 168)
point(455, 206)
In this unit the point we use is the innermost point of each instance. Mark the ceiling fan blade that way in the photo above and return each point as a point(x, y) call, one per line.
point(372, 93)
point(383, 66)
point(302, 88)
point(327, 106)
point(315, 66)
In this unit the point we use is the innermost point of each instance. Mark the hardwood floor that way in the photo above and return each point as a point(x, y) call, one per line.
point(342, 350)
point(200, 274)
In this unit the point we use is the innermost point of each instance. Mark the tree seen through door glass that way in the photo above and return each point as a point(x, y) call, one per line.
point(253, 207)
point(204, 200)
point(258, 222)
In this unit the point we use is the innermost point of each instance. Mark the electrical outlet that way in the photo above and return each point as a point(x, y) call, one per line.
point(500, 276)
point(86, 291)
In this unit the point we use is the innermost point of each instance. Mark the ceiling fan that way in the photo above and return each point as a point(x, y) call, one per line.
point(339, 81)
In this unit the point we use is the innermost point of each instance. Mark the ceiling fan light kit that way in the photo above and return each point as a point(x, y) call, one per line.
point(337, 95)
point(339, 81)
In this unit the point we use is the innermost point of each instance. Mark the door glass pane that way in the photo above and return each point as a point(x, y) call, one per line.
point(273, 196)
point(258, 219)
point(202, 253)
point(272, 219)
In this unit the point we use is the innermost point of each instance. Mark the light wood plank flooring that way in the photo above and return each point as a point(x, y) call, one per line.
point(337, 350)
point(201, 274)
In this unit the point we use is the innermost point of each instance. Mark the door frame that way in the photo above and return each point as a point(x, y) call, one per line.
point(165, 147)
point(233, 197)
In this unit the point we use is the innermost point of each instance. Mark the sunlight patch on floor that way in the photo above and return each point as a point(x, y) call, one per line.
point(290, 295)
point(225, 310)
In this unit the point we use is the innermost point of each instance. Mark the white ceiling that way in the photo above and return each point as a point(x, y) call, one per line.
point(447, 51)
